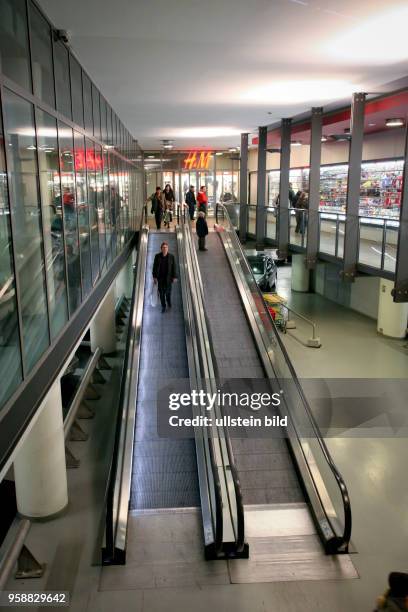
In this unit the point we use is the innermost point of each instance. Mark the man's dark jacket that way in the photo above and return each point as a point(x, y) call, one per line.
point(171, 267)
point(201, 227)
point(190, 199)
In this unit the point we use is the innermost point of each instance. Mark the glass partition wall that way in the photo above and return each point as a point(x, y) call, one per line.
point(71, 192)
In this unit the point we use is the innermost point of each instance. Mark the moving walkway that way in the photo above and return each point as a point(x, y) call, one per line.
point(218, 328)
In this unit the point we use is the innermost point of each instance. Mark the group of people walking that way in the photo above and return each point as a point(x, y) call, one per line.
point(300, 202)
point(162, 207)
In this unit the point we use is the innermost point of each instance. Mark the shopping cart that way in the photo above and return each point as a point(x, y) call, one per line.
point(276, 306)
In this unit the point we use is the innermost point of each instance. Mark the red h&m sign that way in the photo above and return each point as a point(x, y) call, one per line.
point(197, 160)
point(88, 161)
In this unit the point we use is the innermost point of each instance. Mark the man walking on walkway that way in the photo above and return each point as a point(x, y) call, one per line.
point(164, 274)
point(191, 202)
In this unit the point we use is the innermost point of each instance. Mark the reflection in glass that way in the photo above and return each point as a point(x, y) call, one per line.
point(107, 201)
point(51, 202)
point(62, 84)
point(41, 47)
point(15, 63)
point(87, 91)
point(27, 239)
point(96, 112)
point(10, 358)
point(76, 91)
point(69, 206)
point(114, 203)
point(100, 206)
point(93, 211)
point(83, 213)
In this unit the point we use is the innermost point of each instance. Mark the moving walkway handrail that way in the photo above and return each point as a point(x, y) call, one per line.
point(118, 488)
point(201, 372)
point(208, 346)
point(344, 539)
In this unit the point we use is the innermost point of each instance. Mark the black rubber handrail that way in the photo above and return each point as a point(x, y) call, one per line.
point(344, 539)
point(219, 522)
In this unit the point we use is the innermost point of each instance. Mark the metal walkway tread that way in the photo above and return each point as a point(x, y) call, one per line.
point(264, 465)
point(164, 471)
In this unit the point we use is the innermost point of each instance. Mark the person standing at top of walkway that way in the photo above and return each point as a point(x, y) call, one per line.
point(302, 204)
point(191, 202)
point(169, 199)
point(202, 231)
point(157, 206)
point(202, 199)
point(164, 274)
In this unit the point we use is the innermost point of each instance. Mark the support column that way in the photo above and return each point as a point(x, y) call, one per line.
point(261, 189)
point(39, 468)
point(243, 189)
point(103, 326)
point(400, 291)
point(351, 234)
point(283, 210)
point(392, 317)
point(300, 274)
point(314, 188)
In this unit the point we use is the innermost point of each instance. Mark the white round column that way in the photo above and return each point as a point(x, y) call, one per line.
point(300, 274)
point(392, 318)
point(103, 326)
point(39, 467)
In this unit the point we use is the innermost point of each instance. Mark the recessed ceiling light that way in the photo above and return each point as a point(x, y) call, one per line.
point(371, 124)
point(296, 143)
point(324, 139)
point(219, 153)
point(394, 122)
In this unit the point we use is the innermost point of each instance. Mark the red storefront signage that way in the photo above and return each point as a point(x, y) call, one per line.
point(197, 160)
point(88, 160)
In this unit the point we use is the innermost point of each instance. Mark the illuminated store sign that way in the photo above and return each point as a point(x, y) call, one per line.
point(88, 161)
point(197, 160)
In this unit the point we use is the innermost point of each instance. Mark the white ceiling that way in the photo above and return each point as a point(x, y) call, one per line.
point(178, 68)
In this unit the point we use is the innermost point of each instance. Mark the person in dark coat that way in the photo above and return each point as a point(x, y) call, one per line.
point(191, 201)
point(202, 231)
point(164, 274)
point(157, 206)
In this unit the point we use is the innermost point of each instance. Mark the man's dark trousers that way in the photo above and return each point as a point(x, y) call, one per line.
point(165, 293)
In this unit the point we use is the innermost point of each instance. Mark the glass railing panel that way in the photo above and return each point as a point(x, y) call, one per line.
point(341, 230)
point(251, 219)
point(390, 245)
point(298, 227)
point(370, 242)
point(271, 223)
point(327, 234)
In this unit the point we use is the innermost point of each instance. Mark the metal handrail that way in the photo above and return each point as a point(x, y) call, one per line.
point(308, 321)
point(11, 548)
point(343, 540)
point(75, 404)
point(208, 347)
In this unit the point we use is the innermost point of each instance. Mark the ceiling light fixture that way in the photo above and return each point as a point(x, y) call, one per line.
point(167, 144)
point(219, 153)
point(394, 122)
point(324, 138)
point(296, 143)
